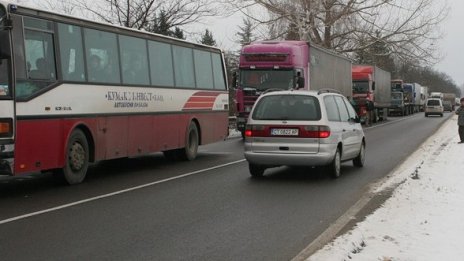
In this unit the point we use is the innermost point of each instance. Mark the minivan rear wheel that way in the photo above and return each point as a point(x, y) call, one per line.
point(256, 171)
point(334, 167)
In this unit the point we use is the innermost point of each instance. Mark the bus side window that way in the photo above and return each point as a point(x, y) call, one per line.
point(71, 53)
point(39, 59)
point(218, 72)
point(40, 56)
point(102, 56)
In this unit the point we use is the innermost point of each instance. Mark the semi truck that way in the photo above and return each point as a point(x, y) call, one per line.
point(281, 65)
point(438, 95)
point(449, 101)
point(424, 96)
point(397, 98)
point(412, 97)
point(371, 84)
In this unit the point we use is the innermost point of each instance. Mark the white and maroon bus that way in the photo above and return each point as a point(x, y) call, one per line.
point(74, 91)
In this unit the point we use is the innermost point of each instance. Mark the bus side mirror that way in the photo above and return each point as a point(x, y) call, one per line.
point(373, 86)
point(5, 50)
point(234, 80)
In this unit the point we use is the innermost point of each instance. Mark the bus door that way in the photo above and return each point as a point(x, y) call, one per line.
point(7, 109)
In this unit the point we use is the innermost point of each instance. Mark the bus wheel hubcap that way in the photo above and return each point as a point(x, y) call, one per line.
point(76, 156)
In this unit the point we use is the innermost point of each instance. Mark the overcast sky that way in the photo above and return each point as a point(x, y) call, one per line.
point(453, 43)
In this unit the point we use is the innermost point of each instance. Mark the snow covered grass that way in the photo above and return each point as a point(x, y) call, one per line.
point(424, 218)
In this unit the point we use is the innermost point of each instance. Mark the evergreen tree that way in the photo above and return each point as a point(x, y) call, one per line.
point(207, 38)
point(178, 33)
point(160, 24)
point(245, 33)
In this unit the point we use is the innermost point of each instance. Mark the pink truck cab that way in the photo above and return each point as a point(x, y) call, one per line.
point(283, 65)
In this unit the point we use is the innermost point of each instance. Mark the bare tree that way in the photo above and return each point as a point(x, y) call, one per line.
point(140, 14)
point(409, 29)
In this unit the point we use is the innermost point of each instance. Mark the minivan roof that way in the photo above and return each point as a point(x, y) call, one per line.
point(299, 92)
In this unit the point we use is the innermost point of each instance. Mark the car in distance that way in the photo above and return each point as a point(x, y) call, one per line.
point(303, 128)
point(433, 106)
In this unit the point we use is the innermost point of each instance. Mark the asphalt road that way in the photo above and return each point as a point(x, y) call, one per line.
point(196, 210)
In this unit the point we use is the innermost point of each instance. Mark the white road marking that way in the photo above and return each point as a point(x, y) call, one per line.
point(115, 193)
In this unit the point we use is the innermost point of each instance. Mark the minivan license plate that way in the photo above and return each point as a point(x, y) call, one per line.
point(284, 132)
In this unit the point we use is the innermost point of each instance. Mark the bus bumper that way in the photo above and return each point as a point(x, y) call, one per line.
point(6, 159)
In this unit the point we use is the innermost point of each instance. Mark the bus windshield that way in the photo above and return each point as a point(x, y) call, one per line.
point(360, 87)
point(267, 79)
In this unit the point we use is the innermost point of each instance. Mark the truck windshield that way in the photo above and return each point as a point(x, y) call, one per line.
point(267, 79)
point(4, 81)
point(408, 88)
point(396, 87)
point(360, 87)
point(397, 96)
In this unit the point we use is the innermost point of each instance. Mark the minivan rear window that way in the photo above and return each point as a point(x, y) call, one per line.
point(433, 103)
point(288, 107)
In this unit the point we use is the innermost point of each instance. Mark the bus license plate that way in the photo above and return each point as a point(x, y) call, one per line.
point(284, 132)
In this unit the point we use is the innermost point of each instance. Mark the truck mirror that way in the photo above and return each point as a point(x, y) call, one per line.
point(300, 82)
point(373, 86)
point(5, 50)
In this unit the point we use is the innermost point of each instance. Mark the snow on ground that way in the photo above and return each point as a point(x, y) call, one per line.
point(424, 218)
point(234, 133)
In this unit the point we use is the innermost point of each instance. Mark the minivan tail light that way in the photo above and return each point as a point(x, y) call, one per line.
point(321, 132)
point(255, 131)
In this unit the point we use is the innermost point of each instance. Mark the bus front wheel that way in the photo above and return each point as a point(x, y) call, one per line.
point(77, 158)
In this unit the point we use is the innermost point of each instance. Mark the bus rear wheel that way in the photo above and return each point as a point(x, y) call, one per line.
point(77, 158)
point(192, 140)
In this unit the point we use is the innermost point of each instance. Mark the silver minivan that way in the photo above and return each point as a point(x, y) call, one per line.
point(434, 106)
point(303, 128)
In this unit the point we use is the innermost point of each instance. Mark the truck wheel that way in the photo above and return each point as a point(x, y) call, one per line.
point(333, 168)
point(256, 171)
point(77, 158)
point(192, 140)
point(359, 160)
